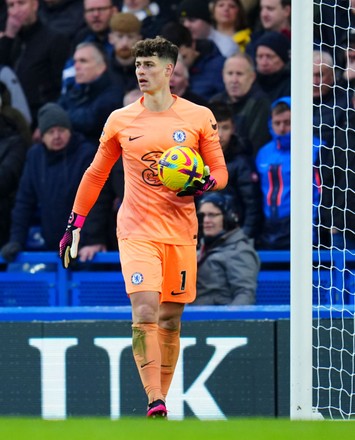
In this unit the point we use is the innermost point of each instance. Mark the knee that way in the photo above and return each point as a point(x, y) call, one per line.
point(169, 322)
point(145, 313)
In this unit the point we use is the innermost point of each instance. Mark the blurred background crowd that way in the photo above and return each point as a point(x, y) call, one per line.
point(65, 65)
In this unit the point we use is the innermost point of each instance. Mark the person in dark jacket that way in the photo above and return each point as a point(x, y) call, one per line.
point(337, 175)
point(243, 181)
point(228, 264)
point(250, 104)
point(51, 175)
point(13, 148)
point(272, 60)
point(36, 53)
point(202, 57)
point(93, 97)
point(65, 16)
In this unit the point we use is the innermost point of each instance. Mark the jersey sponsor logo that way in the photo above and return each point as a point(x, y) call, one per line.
point(133, 138)
point(150, 174)
point(137, 278)
point(177, 293)
point(179, 136)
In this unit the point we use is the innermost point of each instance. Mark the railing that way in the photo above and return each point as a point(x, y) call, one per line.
point(38, 279)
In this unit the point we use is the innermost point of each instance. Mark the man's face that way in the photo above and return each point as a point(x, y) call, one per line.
point(238, 77)
point(98, 14)
point(323, 79)
point(25, 11)
point(267, 61)
point(273, 15)
point(225, 132)
point(56, 138)
point(212, 219)
point(188, 54)
point(281, 123)
point(123, 43)
point(179, 79)
point(198, 28)
point(88, 66)
point(152, 73)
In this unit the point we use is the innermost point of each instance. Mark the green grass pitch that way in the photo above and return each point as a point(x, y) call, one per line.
point(132, 429)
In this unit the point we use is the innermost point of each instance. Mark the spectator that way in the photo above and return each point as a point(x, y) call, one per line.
point(274, 167)
point(50, 178)
point(179, 84)
point(13, 149)
point(125, 31)
point(273, 65)
point(93, 97)
point(228, 264)
point(65, 16)
point(250, 105)
point(337, 178)
point(229, 18)
point(196, 16)
point(329, 100)
point(202, 58)
point(151, 15)
point(97, 14)
point(243, 180)
point(13, 115)
point(35, 52)
point(274, 16)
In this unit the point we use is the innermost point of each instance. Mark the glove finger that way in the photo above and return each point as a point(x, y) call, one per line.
point(206, 171)
point(75, 243)
point(66, 257)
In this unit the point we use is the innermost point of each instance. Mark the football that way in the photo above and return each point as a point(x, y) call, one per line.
point(179, 166)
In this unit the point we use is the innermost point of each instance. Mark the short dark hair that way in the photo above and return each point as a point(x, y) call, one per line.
point(280, 108)
point(221, 110)
point(158, 46)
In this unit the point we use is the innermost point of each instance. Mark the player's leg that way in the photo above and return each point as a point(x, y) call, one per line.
point(169, 340)
point(141, 267)
point(179, 288)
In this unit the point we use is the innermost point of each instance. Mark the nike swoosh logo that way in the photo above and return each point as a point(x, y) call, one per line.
point(177, 293)
point(133, 138)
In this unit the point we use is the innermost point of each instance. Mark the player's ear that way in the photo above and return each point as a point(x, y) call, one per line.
point(169, 69)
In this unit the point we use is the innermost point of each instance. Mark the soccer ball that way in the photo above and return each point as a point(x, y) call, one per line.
point(179, 166)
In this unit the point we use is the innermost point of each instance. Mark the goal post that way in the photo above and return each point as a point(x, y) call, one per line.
point(301, 210)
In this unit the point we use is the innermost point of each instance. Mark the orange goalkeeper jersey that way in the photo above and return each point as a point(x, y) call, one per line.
point(149, 210)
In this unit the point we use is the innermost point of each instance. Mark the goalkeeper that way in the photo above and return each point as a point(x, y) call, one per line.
point(156, 228)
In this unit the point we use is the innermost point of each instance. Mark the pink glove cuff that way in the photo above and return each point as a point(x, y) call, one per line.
point(76, 220)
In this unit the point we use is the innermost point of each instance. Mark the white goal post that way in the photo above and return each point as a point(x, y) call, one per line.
point(322, 318)
point(301, 210)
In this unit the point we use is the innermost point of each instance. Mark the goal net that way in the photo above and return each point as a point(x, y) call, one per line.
point(323, 372)
point(334, 262)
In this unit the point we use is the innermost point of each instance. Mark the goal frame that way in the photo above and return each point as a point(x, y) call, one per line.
point(301, 210)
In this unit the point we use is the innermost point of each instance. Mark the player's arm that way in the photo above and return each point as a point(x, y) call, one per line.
point(88, 192)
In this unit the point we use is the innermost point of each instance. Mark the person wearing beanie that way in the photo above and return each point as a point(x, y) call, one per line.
point(228, 264)
point(51, 175)
point(196, 16)
point(125, 31)
point(272, 60)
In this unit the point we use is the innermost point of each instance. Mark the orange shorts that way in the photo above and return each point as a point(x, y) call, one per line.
point(157, 267)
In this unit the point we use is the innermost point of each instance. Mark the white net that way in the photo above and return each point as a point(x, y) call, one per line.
point(334, 244)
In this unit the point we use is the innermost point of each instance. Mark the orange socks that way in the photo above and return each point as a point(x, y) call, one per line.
point(156, 351)
point(169, 341)
point(146, 352)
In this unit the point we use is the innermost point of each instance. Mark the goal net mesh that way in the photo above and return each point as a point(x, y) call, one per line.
point(334, 239)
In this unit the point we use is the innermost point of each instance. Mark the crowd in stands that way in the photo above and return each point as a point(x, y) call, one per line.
point(71, 65)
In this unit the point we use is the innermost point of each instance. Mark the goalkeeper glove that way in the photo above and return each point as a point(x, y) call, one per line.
point(199, 187)
point(68, 246)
